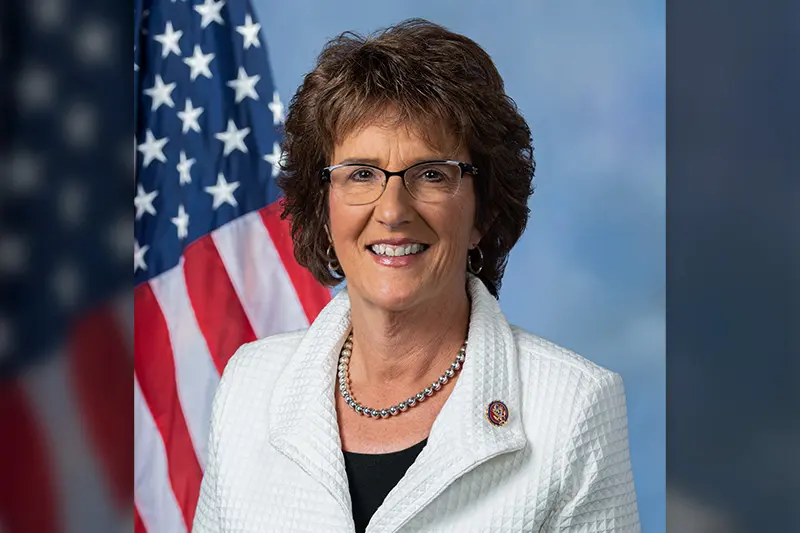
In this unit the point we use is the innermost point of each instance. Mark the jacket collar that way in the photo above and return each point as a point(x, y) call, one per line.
point(304, 427)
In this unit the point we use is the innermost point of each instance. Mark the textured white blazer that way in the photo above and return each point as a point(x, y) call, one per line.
point(560, 463)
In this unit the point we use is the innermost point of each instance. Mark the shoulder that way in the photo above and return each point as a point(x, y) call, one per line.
point(251, 372)
point(572, 383)
point(537, 350)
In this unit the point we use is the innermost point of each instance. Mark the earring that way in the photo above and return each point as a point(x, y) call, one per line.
point(333, 261)
point(472, 267)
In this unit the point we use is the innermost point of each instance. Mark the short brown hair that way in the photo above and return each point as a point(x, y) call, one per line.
point(423, 74)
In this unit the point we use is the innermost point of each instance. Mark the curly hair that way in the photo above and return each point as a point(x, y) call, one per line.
point(424, 75)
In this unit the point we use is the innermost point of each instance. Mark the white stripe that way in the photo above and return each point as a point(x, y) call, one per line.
point(74, 460)
point(152, 490)
point(195, 374)
point(258, 276)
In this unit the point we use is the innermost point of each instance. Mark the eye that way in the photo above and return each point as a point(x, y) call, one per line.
point(431, 174)
point(363, 174)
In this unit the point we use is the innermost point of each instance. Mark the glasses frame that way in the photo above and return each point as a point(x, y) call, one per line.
point(466, 168)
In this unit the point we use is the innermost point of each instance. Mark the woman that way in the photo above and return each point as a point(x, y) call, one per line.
point(411, 404)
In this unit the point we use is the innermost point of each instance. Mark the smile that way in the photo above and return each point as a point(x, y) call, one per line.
point(388, 250)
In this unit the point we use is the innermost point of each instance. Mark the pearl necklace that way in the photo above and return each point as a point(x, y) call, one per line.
point(344, 380)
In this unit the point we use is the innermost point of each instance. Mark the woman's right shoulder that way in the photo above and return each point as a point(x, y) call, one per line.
point(255, 366)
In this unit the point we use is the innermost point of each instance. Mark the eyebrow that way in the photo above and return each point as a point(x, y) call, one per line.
point(377, 162)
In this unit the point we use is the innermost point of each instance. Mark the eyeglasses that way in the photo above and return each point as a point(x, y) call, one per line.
point(429, 181)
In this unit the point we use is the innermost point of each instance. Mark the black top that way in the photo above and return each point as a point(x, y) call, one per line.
point(372, 476)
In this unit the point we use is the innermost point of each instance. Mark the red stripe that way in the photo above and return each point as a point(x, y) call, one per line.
point(155, 370)
point(312, 294)
point(138, 525)
point(216, 305)
point(100, 369)
point(27, 494)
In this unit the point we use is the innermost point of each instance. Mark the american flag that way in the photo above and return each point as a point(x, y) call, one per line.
point(213, 262)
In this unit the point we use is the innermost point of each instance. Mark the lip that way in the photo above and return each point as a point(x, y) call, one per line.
point(398, 241)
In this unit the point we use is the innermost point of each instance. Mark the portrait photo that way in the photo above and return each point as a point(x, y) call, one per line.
point(399, 267)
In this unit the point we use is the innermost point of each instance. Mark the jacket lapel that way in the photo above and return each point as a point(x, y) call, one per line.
point(304, 427)
point(302, 414)
point(462, 437)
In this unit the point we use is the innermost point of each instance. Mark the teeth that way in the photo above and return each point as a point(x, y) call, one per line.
point(395, 251)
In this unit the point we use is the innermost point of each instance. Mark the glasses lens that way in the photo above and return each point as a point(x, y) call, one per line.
point(357, 184)
point(433, 182)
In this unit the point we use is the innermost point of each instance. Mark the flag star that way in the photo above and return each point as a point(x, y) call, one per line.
point(143, 202)
point(244, 85)
point(233, 138)
point(250, 32)
point(169, 40)
point(181, 222)
point(14, 254)
point(189, 117)
point(161, 93)
point(276, 106)
point(67, 284)
point(223, 192)
point(210, 12)
point(274, 159)
point(199, 63)
point(138, 256)
point(6, 338)
point(119, 238)
point(184, 168)
point(153, 148)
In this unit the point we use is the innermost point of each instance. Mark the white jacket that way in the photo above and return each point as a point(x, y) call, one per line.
point(561, 462)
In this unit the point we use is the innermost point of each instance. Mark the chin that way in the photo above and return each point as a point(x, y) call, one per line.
point(394, 295)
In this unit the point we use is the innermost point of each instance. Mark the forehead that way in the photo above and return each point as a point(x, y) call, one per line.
point(389, 139)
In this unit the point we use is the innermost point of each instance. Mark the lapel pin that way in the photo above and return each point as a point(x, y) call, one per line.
point(497, 413)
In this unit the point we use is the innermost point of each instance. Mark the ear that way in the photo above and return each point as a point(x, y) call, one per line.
point(475, 237)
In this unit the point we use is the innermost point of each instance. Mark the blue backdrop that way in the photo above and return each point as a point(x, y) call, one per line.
point(589, 273)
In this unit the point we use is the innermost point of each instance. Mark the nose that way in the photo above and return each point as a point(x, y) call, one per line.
point(393, 209)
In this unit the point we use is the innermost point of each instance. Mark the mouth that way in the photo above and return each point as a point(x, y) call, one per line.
point(402, 250)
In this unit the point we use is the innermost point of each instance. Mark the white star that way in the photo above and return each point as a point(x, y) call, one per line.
point(72, 204)
point(14, 254)
point(153, 148)
point(181, 222)
point(67, 284)
point(276, 106)
point(189, 117)
point(169, 40)
point(36, 88)
point(223, 192)
point(138, 256)
point(6, 338)
point(161, 93)
point(94, 42)
point(209, 12)
point(199, 63)
point(233, 138)
point(275, 159)
point(143, 202)
point(80, 125)
point(250, 32)
point(244, 85)
point(184, 168)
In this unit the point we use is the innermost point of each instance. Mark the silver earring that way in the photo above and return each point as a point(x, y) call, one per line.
point(333, 261)
point(470, 266)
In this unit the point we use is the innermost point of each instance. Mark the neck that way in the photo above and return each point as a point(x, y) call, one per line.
point(403, 349)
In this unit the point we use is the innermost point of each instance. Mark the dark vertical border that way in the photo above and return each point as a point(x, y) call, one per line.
point(733, 267)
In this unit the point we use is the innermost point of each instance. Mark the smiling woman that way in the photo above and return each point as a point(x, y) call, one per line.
point(411, 404)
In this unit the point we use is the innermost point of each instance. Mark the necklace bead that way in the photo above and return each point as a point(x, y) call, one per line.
point(343, 372)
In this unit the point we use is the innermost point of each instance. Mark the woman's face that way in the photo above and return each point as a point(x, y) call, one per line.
point(446, 229)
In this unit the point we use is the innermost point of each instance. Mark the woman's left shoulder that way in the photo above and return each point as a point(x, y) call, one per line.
point(535, 353)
